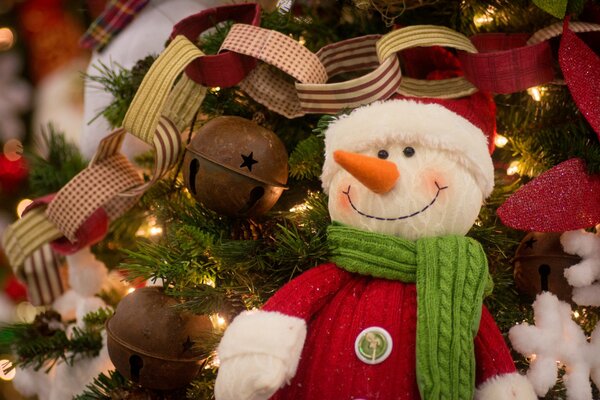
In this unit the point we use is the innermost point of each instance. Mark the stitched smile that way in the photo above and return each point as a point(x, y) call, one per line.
point(439, 189)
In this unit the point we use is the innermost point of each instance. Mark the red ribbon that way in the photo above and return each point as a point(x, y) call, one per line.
point(227, 68)
point(505, 64)
point(91, 232)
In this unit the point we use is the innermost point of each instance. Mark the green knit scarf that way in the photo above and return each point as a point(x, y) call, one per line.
point(452, 277)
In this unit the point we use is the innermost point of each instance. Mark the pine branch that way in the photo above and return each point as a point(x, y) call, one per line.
point(306, 161)
point(45, 341)
point(106, 387)
point(49, 174)
point(203, 387)
point(122, 84)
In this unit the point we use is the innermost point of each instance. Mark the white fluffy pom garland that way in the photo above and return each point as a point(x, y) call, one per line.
point(585, 276)
point(556, 338)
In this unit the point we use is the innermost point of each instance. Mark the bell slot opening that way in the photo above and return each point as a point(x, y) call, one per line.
point(544, 271)
point(194, 167)
point(255, 195)
point(135, 366)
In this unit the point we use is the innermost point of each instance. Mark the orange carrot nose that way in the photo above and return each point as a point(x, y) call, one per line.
point(378, 175)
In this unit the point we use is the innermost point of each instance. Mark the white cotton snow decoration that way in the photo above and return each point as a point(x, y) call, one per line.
point(556, 339)
point(585, 276)
point(87, 275)
point(70, 380)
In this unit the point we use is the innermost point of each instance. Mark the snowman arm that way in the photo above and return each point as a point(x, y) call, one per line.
point(279, 329)
point(497, 378)
point(261, 349)
point(306, 294)
point(491, 352)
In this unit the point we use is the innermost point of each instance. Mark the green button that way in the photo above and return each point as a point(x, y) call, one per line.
point(373, 345)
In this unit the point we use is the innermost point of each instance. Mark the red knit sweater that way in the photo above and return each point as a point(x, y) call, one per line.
point(337, 305)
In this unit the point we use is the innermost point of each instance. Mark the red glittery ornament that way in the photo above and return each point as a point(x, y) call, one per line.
point(581, 68)
point(563, 198)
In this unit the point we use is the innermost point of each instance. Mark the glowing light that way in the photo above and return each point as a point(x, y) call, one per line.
point(7, 39)
point(4, 366)
point(215, 89)
point(210, 282)
point(513, 168)
point(536, 92)
point(13, 149)
point(532, 358)
point(485, 18)
point(218, 322)
point(302, 41)
point(23, 204)
point(300, 207)
point(155, 230)
point(213, 362)
point(576, 314)
point(500, 141)
point(150, 228)
point(130, 290)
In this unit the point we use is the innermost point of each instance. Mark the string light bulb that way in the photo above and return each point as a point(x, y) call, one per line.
point(485, 18)
point(576, 314)
point(23, 204)
point(513, 168)
point(500, 141)
point(536, 92)
point(7, 39)
point(7, 372)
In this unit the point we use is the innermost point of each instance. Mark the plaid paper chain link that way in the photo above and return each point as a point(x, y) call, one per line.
point(111, 183)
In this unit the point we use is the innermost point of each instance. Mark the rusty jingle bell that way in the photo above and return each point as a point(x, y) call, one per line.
point(236, 167)
point(150, 342)
point(540, 264)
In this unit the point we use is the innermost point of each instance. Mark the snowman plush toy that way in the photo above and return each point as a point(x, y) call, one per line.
point(398, 312)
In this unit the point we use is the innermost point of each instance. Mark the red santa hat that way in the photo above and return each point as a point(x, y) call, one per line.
point(464, 128)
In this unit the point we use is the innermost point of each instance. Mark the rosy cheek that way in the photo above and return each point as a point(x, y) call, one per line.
point(429, 180)
point(343, 202)
point(341, 199)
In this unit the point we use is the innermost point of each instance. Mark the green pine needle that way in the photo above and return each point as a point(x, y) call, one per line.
point(63, 161)
point(306, 161)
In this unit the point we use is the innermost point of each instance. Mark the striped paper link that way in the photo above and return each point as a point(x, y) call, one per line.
point(184, 102)
point(273, 90)
point(27, 235)
point(41, 274)
point(451, 88)
point(168, 147)
point(109, 146)
point(92, 188)
point(557, 29)
point(334, 97)
point(276, 49)
point(422, 36)
point(147, 105)
point(350, 55)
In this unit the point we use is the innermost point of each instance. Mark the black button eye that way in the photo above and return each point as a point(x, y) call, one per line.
point(409, 151)
point(383, 154)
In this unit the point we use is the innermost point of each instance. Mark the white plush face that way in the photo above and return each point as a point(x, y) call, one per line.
point(434, 196)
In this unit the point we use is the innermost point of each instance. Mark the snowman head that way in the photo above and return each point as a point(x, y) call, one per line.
point(408, 168)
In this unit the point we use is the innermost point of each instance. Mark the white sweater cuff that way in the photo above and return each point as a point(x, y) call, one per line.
point(265, 332)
